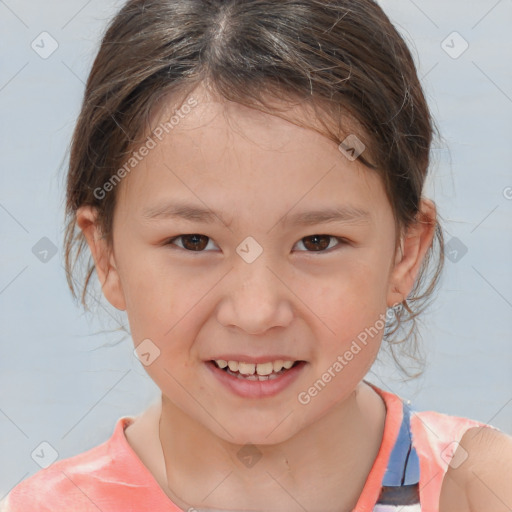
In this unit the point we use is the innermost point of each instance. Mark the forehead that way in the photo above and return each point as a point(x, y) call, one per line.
point(217, 153)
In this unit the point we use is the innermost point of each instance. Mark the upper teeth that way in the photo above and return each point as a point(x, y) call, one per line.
point(251, 368)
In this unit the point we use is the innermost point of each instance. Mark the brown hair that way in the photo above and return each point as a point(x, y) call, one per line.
point(343, 58)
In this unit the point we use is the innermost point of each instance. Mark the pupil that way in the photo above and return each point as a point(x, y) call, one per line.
point(195, 240)
point(316, 238)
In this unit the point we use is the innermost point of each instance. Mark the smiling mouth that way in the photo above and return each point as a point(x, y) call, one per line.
point(246, 380)
point(255, 372)
point(250, 371)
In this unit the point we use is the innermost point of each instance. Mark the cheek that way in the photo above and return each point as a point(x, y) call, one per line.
point(351, 299)
point(165, 303)
point(351, 313)
point(152, 301)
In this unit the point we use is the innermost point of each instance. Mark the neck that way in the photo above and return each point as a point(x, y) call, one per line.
point(326, 462)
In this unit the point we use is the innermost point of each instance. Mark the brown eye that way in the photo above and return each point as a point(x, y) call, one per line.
point(318, 243)
point(192, 242)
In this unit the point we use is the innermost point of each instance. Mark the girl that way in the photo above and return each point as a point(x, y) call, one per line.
point(260, 329)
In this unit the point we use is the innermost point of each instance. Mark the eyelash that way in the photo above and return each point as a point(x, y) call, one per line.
point(341, 241)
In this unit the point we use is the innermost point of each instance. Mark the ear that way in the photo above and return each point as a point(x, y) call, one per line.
point(414, 245)
point(103, 256)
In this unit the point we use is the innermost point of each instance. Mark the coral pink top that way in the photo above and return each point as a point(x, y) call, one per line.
point(407, 473)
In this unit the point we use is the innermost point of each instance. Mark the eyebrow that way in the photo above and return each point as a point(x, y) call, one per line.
point(194, 213)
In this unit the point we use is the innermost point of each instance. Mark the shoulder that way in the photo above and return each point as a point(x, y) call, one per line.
point(48, 489)
point(68, 484)
point(437, 436)
point(464, 463)
point(483, 479)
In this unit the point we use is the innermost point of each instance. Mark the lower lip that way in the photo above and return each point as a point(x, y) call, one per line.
point(256, 388)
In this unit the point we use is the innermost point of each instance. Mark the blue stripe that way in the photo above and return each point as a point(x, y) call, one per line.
point(403, 465)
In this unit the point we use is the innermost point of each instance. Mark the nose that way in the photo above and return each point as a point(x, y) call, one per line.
point(255, 298)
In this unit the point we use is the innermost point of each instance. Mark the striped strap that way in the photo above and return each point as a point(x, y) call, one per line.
point(400, 485)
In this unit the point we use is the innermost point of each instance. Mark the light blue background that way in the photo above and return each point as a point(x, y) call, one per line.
point(60, 384)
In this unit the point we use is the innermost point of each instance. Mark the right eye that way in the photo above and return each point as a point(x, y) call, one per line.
point(191, 243)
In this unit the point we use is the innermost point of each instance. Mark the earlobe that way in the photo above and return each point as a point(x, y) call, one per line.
point(103, 256)
point(414, 245)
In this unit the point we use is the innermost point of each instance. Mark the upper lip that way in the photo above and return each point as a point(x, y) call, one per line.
point(254, 359)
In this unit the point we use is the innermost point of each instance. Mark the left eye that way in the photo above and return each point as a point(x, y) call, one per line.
point(318, 243)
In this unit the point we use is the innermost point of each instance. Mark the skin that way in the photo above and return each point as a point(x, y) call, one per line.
point(194, 306)
point(482, 482)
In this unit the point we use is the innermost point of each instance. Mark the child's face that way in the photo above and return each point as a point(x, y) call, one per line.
point(301, 299)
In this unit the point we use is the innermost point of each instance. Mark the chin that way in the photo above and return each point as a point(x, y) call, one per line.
point(252, 430)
